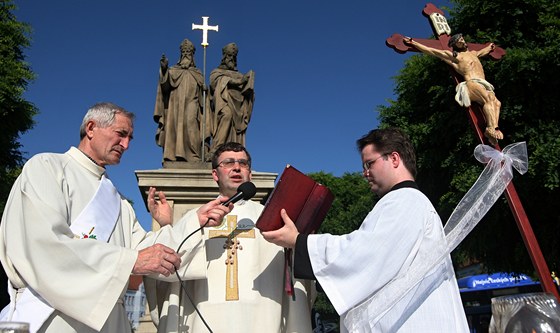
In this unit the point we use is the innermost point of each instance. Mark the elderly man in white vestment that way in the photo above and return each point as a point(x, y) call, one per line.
point(402, 228)
point(69, 242)
point(242, 289)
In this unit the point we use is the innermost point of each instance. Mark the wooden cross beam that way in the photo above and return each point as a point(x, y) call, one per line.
point(442, 31)
point(476, 114)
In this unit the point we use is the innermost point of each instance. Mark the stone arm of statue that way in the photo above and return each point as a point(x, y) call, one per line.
point(444, 55)
point(163, 63)
point(237, 83)
point(486, 50)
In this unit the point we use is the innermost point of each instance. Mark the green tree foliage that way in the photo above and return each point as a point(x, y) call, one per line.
point(16, 114)
point(526, 82)
point(353, 201)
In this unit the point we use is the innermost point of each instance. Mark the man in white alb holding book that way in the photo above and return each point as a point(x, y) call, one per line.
point(393, 242)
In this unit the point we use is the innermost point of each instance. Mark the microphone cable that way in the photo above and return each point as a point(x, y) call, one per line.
point(183, 288)
point(245, 191)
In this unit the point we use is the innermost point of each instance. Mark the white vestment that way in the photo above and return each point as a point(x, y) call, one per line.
point(402, 227)
point(263, 305)
point(84, 280)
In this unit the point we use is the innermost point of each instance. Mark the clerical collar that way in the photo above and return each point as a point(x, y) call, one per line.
point(404, 184)
point(91, 159)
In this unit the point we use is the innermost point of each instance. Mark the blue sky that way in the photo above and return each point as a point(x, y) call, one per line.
point(321, 70)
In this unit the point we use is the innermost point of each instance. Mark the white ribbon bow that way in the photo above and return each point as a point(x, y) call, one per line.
point(486, 190)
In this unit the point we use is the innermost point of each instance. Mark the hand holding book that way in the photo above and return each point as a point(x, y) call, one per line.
point(306, 202)
point(300, 202)
point(286, 236)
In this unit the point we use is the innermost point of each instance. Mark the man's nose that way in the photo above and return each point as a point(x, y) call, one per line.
point(125, 142)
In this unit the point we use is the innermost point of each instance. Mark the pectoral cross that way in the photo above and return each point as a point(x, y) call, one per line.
point(441, 31)
point(232, 245)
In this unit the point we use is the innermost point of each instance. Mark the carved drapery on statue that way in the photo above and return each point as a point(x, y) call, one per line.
point(231, 106)
point(178, 108)
point(232, 97)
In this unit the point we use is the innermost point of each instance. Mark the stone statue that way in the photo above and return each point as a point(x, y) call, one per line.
point(178, 109)
point(232, 96)
point(475, 87)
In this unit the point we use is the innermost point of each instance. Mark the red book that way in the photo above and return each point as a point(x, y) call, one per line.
point(305, 200)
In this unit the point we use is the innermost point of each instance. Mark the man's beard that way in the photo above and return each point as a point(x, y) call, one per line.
point(186, 63)
point(231, 64)
point(461, 48)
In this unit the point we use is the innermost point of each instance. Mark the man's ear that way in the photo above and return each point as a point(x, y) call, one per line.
point(395, 159)
point(90, 126)
point(215, 175)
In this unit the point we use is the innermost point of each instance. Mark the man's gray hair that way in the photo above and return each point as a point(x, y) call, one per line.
point(103, 114)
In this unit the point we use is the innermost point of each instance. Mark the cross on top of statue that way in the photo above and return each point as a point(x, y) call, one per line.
point(205, 28)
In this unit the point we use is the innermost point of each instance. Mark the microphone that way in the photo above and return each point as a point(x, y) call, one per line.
point(245, 191)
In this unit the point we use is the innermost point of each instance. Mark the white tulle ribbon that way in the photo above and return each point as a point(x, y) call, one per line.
point(384, 311)
point(486, 190)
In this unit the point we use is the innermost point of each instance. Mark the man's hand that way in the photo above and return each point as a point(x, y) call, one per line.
point(285, 236)
point(157, 258)
point(160, 211)
point(213, 212)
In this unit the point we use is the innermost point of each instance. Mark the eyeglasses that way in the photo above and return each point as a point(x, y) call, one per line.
point(368, 164)
point(230, 163)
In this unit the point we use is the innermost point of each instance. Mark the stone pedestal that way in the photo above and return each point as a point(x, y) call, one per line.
point(188, 185)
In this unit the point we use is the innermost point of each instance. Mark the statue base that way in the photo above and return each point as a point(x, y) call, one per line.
point(187, 165)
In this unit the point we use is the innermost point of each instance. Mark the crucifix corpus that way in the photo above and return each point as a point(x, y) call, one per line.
point(463, 58)
point(468, 74)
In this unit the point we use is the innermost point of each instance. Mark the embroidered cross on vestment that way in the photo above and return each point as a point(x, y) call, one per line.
point(232, 245)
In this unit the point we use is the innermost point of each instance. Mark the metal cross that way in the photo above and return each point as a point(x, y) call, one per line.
point(204, 27)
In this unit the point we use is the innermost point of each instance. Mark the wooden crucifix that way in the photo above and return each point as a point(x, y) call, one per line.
point(484, 113)
point(231, 233)
point(466, 67)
